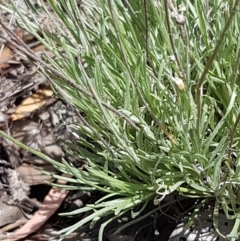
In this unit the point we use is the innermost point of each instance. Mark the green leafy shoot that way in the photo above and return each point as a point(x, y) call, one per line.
point(160, 99)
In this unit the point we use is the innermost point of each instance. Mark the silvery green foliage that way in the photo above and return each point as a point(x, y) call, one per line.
point(165, 123)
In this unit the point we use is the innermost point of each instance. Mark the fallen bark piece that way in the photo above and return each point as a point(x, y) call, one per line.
point(50, 204)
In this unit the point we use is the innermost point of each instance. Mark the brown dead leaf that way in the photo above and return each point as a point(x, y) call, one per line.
point(32, 176)
point(7, 61)
point(32, 103)
point(7, 52)
point(39, 48)
point(28, 38)
point(19, 33)
point(6, 55)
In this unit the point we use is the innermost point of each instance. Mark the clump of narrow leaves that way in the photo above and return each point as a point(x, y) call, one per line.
point(156, 85)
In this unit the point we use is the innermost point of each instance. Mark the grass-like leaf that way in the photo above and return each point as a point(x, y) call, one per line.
point(160, 99)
